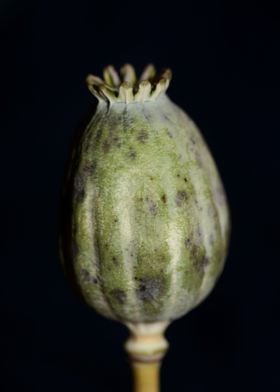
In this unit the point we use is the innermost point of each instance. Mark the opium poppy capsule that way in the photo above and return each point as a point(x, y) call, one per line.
point(148, 222)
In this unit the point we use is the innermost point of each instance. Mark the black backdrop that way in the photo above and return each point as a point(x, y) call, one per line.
point(225, 60)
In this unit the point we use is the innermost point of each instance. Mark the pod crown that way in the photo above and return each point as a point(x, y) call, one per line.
point(124, 86)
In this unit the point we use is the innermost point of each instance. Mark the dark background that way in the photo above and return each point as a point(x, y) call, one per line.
point(225, 60)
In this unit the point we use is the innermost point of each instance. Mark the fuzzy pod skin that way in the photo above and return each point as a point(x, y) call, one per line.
point(148, 221)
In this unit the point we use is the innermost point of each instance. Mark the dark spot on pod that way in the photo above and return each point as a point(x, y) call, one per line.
point(163, 198)
point(115, 260)
point(149, 289)
point(197, 255)
point(201, 262)
point(152, 207)
point(98, 134)
point(119, 296)
point(116, 220)
point(87, 144)
point(97, 252)
point(106, 146)
point(181, 197)
point(205, 261)
point(79, 190)
point(87, 277)
point(131, 154)
point(199, 233)
point(187, 243)
point(185, 179)
point(143, 136)
point(178, 175)
point(193, 140)
point(116, 141)
point(125, 120)
point(169, 133)
point(194, 251)
point(89, 169)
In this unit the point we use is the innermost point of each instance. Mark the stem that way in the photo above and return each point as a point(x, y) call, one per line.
point(146, 347)
point(146, 376)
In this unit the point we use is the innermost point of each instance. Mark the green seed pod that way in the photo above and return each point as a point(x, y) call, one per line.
point(148, 221)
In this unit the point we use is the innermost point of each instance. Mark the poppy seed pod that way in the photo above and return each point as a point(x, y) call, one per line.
point(149, 219)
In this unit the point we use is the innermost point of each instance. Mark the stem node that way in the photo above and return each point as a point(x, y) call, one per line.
point(146, 347)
